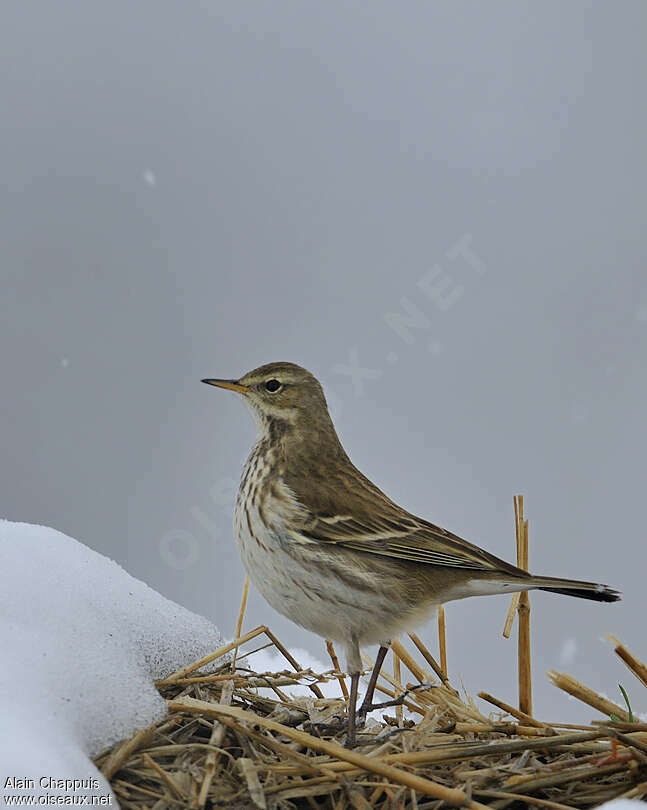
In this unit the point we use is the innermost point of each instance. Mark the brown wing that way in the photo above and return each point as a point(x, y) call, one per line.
point(350, 511)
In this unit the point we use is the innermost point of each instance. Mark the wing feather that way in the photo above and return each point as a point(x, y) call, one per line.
point(349, 511)
point(416, 542)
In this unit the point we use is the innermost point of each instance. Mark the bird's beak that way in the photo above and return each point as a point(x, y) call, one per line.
point(231, 385)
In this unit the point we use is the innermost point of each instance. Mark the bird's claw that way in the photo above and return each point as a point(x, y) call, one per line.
point(340, 723)
point(399, 701)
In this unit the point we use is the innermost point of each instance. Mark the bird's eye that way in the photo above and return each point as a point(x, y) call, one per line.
point(272, 386)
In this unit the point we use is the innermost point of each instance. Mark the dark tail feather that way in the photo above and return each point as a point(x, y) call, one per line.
point(572, 587)
point(607, 595)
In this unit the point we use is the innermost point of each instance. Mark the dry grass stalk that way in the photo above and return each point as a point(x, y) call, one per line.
point(442, 641)
point(453, 797)
point(523, 610)
point(637, 792)
point(335, 662)
point(525, 718)
point(291, 760)
point(234, 645)
point(239, 623)
point(124, 750)
point(248, 771)
point(634, 664)
point(290, 659)
point(634, 740)
point(571, 775)
point(390, 693)
point(509, 729)
point(400, 651)
point(215, 740)
point(422, 649)
point(470, 749)
point(166, 778)
point(514, 602)
point(307, 765)
point(512, 612)
point(208, 659)
point(440, 698)
point(399, 690)
point(576, 689)
point(622, 725)
point(499, 794)
point(260, 680)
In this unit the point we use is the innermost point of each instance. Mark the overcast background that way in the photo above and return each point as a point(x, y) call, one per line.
point(448, 198)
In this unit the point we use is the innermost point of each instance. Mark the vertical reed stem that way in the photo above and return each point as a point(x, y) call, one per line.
point(335, 662)
point(241, 616)
point(397, 677)
point(523, 609)
point(442, 640)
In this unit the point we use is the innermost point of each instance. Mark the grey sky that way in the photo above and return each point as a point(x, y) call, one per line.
point(193, 189)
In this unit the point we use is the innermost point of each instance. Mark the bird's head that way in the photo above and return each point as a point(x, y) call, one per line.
point(280, 391)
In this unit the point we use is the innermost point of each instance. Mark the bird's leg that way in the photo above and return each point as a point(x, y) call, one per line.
point(367, 703)
point(352, 708)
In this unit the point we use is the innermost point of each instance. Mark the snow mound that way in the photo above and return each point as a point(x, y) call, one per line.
point(82, 642)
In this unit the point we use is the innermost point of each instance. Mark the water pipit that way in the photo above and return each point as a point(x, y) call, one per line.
point(331, 551)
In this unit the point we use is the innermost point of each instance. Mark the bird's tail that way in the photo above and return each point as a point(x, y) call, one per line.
point(573, 587)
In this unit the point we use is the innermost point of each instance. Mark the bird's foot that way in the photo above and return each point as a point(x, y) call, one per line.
point(365, 708)
point(338, 724)
point(341, 725)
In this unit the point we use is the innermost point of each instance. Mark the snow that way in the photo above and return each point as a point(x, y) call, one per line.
point(82, 642)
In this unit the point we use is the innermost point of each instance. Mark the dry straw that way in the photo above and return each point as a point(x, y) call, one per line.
point(520, 605)
point(235, 739)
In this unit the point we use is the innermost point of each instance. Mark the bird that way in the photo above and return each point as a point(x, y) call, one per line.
point(330, 551)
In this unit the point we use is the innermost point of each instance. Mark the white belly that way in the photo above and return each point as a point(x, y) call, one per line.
point(287, 579)
point(305, 582)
